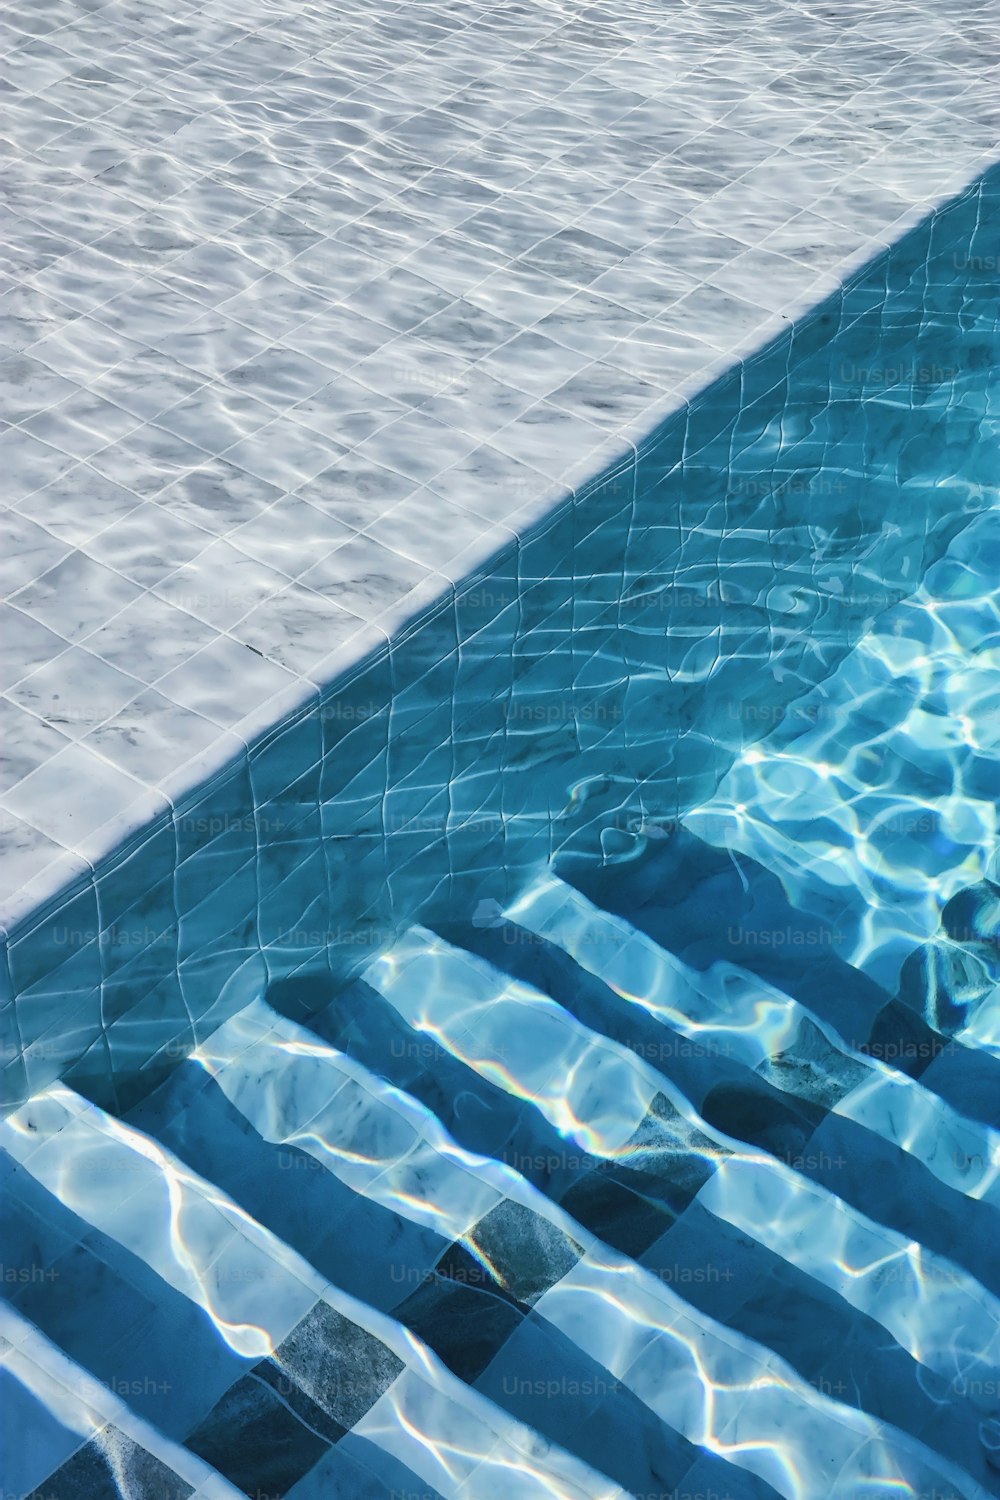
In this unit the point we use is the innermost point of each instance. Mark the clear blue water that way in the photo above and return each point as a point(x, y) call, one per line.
point(637, 1130)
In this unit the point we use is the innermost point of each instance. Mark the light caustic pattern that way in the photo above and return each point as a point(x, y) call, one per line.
point(467, 1007)
point(562, 1204)
point(257, 1291)
point(466, 1406)
point(875, 798)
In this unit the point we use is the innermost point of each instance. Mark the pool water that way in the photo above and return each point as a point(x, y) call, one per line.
point(663, 1157)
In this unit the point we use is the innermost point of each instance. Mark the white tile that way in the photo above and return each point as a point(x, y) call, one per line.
point(75, 692)
point(225, 681)
point(106, 804)
point(220, 585)
point(76, 595)
point(238, 341)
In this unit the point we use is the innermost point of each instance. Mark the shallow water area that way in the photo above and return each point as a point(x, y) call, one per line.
point(551, 1049)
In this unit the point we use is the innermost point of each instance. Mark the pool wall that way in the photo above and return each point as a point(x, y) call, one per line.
point(619, 656)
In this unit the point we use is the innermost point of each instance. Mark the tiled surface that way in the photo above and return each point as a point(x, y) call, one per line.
point(245, 1368)
point(68, 1429)
point(306, 314)
point(611, 663)
point(537, 1208)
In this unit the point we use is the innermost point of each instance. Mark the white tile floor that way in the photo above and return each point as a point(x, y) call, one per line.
point(306, 311)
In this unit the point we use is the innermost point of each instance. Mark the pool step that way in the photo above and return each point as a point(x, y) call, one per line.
point(317, 1389)
point(65, 1433)
point(874, 798)
point(268, 1126)
point(395, 1153)
point(707, 905)
point(545, 1183)
point(721, 1029)
point(829, 1117)
point(711, 1024)
point(624, 1207)
point(653, 1148)
point(458, 1247)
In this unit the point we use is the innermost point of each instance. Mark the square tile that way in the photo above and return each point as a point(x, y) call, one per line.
point(490, 483)
point(416, 445)
point(152, 737)
point(29, 551)
point(399, 299)
point(99, 1469)
point(347, 410)
point(33, 866)
point(78, 504)
point(220, 585)
point(470, 331)
point(326, 263)
point(409, 370)
point(75, 596)
point(146, 545)
point(574, 255)
point(217, 498)
point(25, 743)
point(147, 460)
point(27, 464)
point(362, 575)
point(149, 638)
point(429, 529)
point(103, 795)
point(215, 416)
point(27, 315)
point(279, 376)
point(338, 337)
point(211, 346)
point(75, 692)
point(357, 489)
point(341, 1366)
point(548, 438)
point(147, 383)
point(713, 315)
point(147, 310)
point(297, 628)
point(225, 681)
point(32, 642)
point(534, 363)
point(285, 453)
point(84, 350)
point(254, 1438)
point(273, 237)
point(290, 536)
point(27, 386)
point(605, 396)
point(211, 272)
point(478, 404)
point(272, 306)
point(81, 424)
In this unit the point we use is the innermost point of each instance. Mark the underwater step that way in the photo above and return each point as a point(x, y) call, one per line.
point(626, 1113)
point(759, 1068)
point(707, 905)
point(461, 1247)
point(326, 1118)
point(325, 1372)
point(707, 1026)
point(874, 796)
point(78, 1440)
point(668, 1151)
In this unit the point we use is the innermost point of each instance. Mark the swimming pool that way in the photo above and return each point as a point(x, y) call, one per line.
point(564, 1061)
